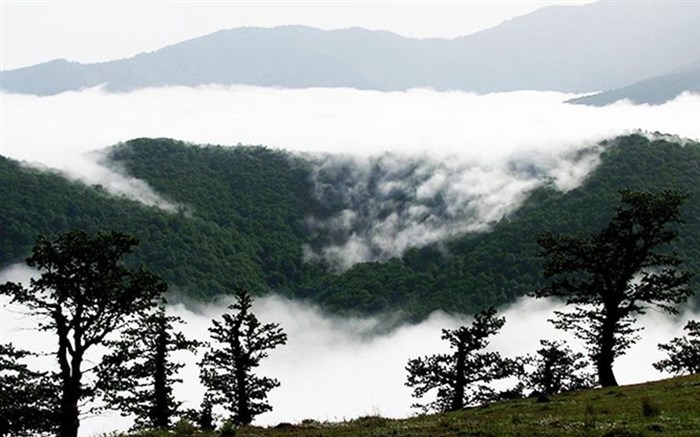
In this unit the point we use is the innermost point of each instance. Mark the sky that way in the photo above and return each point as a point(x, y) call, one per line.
point(92, 31)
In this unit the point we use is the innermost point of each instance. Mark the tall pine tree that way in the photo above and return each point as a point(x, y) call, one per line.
point(137, 377)
point(227, 370)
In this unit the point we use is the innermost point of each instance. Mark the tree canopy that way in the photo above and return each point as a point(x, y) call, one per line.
point(28, 398)
point(612, 276)
point(84, 293)
point(557, 369)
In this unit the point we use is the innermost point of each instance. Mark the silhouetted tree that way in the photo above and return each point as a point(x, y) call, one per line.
point(683, 352)
point(616, 274)
point(84, 292)
point(28, 398)
point(137, 377)
point(461, 377)
point(203, 416)
point(241, 342)
point(557, 369)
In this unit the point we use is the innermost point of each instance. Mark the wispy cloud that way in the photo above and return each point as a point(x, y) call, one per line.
point(457, 161)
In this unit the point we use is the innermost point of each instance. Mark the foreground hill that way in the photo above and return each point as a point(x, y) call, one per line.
point(604, 45)
point(243, 222)
point(665, 408)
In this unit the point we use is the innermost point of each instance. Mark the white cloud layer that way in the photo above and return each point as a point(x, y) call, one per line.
point(342, 368)
point(459, 161)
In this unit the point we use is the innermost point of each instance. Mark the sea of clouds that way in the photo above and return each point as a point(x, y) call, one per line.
point(407, 168)
point(459, 161)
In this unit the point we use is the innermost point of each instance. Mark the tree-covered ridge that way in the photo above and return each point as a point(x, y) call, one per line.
point(243, 224)
point(504, 263)
point(197, 256)
point(258, 196)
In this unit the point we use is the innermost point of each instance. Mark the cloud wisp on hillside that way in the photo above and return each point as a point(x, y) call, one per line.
point(345, 368)
point(457, 161)
point(392, 202)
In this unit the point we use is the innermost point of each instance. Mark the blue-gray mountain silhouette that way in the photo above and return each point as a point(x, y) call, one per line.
point(589, 48)
point(654, 91)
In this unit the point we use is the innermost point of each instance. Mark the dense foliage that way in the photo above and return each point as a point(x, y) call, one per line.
point(557, 369)
point(242, 224)
point(612, 276)
point(28, 398)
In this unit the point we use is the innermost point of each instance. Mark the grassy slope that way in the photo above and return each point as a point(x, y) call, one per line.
point(673, 409)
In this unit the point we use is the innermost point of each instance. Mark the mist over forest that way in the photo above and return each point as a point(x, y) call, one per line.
point(368, 190)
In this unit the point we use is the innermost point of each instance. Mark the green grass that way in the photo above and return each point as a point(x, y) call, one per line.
point(662, 408)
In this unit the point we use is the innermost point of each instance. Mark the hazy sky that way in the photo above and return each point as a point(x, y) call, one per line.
point(39, 31)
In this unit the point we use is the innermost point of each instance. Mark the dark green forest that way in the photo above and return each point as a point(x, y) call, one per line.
point(241, 223)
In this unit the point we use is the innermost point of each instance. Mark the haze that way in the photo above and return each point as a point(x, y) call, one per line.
point(35, 32)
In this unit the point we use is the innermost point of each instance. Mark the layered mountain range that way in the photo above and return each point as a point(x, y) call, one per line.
point(602, 46)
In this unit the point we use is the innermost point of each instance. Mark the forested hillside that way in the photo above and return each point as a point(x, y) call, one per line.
point(242, 223)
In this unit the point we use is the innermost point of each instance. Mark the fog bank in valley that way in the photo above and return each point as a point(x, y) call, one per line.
point(404, 168)
point(336, 368)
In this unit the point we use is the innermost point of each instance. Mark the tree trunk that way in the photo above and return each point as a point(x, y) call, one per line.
point(548, 378)
point(69, 414)
point(241, 373)
point(460, 380)
point(244, 415)
point(606, 355)
point(70, 380)
point(161, 410)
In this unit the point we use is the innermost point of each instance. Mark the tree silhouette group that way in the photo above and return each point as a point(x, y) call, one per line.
point(85, 294)
point(89, 298)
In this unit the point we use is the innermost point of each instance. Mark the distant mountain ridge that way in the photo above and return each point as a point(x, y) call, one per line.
point(599, 46)
point(654, 91)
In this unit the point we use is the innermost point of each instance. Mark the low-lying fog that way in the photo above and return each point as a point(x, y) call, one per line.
point(457, 161)
point(341, 368)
